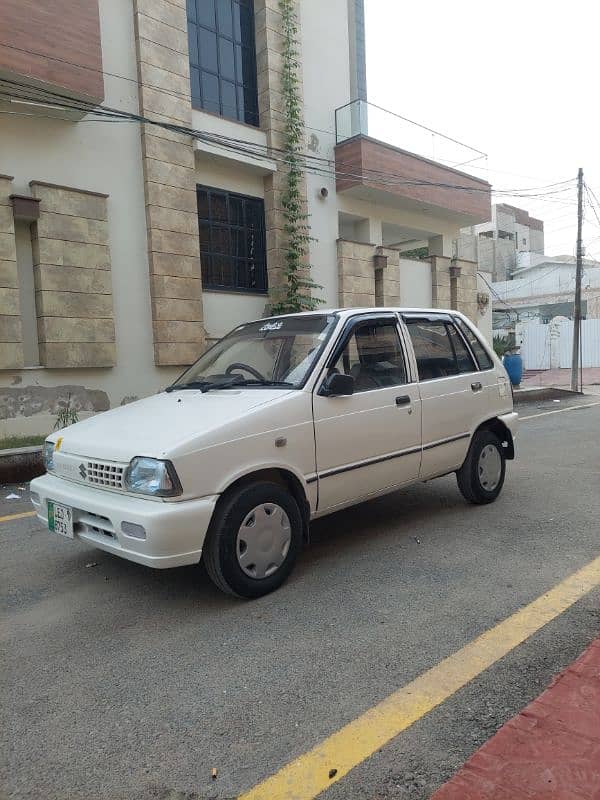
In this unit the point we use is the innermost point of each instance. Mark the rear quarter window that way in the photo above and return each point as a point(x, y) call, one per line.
point(483, 359)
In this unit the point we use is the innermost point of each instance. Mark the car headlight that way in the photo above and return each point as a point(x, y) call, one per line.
point(49, 455)
point(152, 476)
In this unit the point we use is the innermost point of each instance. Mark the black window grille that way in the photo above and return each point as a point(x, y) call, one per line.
point(232, 241)
point(223, 58)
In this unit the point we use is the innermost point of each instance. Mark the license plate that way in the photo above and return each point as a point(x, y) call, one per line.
point(60, 519)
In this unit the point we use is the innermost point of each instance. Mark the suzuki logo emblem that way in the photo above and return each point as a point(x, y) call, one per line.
point(83, 471)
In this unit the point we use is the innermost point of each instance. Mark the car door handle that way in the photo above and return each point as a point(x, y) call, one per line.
point(403, 400)
point(476, 387)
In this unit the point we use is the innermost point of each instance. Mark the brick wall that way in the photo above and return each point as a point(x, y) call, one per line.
point(368, 158)
point(56, 43)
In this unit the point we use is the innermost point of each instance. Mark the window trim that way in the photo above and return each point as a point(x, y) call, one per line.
point(468, 349)
point(457, 321)
point(348, 328)
point(444, 319)
point(229, 226)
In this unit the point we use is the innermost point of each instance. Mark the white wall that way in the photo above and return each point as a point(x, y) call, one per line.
point(100, 157)
point(326, 73)
point(550, 346)
point(415, 283)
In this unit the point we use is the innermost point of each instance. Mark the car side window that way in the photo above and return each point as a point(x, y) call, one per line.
point(482, 356)
point(464, 359)
point(439, 350)
point(373, 356)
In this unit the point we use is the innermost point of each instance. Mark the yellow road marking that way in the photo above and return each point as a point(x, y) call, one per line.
point(18, 516)
point(558, 411)
point(308, 775)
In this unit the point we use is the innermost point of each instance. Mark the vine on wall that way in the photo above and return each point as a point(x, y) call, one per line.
point(296, 294)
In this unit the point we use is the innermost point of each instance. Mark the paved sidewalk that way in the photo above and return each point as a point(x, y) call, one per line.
point(550, 751)
point(561, 378)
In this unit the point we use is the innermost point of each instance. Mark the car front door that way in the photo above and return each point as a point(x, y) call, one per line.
point(370, 441)
point(452, 399)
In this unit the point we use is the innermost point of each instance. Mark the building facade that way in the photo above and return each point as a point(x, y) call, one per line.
point(142, 170)
point(497, 243)
point(543, 288)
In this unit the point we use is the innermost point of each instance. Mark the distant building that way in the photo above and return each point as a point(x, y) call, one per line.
point(495, 245)
point(543, 287)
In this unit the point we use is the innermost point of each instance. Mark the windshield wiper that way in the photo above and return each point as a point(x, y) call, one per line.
point(238, 380)
point(191, 385)
point(226, 383)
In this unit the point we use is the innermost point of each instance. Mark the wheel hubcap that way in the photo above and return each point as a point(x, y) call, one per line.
point(489, 467)
point(263, 540)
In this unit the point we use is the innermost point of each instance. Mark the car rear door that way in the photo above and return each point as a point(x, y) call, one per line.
point(369, 441)
point(451, 391)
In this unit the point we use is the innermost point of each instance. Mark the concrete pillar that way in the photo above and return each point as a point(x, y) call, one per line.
point(441, 246)
point(370, 230)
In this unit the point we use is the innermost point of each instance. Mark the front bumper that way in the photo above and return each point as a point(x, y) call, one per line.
point(175, 531)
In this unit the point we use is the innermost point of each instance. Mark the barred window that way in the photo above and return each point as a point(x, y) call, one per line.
point(223, 58)
point(232, 240)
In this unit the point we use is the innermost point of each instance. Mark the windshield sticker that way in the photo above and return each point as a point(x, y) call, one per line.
point(271, 326)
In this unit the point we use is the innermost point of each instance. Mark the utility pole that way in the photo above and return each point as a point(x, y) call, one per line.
point(578, 276)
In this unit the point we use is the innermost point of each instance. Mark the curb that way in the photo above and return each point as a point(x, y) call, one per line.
point(551, 749)
point(522, 396)
point(21, 464)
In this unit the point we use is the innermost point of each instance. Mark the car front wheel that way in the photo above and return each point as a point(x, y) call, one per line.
point(254, 540)
point(481, 477)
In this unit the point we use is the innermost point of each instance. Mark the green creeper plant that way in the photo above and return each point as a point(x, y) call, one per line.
point(296, 294)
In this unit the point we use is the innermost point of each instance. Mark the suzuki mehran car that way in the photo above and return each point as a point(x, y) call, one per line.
point(284, 420)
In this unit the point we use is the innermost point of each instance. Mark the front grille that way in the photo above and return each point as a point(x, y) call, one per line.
point(104, 474)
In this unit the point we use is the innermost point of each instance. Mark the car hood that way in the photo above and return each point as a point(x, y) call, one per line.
point(164, 424)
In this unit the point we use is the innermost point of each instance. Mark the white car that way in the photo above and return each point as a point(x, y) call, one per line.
point(284, 420)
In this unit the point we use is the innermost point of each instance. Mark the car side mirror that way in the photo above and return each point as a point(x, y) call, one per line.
point(337, 385)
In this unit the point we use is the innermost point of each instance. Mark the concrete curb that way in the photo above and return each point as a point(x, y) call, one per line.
point(550, 749)
point(534, 395)
point(21, 464)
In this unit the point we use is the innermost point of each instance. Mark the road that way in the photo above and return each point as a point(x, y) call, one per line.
point(129, 684)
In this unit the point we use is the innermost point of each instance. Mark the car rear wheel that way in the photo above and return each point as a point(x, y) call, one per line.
point(481, 477)
point(253, 540)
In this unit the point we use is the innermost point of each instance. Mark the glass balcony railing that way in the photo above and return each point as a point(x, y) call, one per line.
point(362, 118)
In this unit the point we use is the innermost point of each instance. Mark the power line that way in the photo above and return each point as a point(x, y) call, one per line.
point(242, 146)
point(103, 113)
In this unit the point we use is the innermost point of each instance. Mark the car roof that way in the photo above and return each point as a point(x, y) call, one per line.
point(351, 312)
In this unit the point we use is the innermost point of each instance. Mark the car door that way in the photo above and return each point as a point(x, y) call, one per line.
point(450, 388)
point(370, 441)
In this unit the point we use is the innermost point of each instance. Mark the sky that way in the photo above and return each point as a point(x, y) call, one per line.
point(518, 80)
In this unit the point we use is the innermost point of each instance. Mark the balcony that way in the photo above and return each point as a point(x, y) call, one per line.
point(429, 172)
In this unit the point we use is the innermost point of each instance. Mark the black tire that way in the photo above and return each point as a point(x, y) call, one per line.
point(468, 476)
point(220, 547)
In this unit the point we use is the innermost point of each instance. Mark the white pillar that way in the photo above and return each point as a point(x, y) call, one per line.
point(441, 246)
point(370, 231)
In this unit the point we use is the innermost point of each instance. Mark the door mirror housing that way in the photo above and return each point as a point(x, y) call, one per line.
point(337, 385)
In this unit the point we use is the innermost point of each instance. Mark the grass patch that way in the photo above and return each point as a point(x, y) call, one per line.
point(21, 441)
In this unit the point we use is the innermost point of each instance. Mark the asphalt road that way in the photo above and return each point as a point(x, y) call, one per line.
point(124, 683)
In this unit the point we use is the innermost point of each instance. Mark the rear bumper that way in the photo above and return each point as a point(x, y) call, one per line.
point(511, 420)
point(174, 532)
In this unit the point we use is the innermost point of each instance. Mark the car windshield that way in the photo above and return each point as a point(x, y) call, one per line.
point(279, 352)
